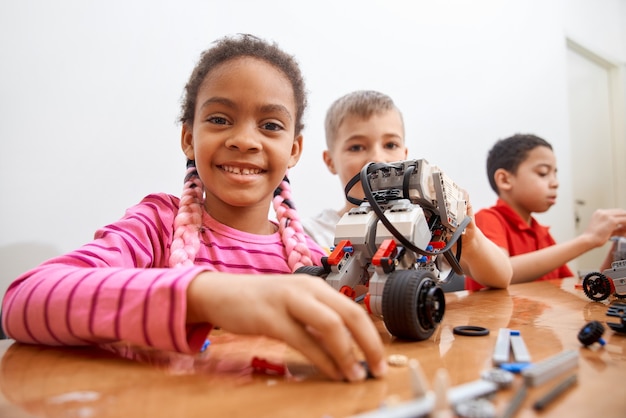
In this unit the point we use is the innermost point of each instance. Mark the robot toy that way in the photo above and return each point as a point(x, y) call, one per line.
point(599, 286)
point(397, 242)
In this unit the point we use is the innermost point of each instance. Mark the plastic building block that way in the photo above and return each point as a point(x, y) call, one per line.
point(544, 370)
point(510, 339)
point(501, 352)
point(520, 352)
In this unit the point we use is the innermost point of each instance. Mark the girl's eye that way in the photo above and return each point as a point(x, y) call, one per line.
point(356, 148)
point(392, 145)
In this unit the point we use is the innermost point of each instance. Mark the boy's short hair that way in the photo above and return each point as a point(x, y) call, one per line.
point(362, 103)
point(509, 153)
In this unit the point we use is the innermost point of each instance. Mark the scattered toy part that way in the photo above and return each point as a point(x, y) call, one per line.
point(263, 366)
point(475, 408)
point(503, 378)
point(510, 339)
point(397, 360)
point(617, 309)
point(470, 330)
point(546, 369)
point(520, 352)
point(591, 333)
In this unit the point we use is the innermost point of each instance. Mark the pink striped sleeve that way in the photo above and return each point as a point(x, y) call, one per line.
point(68, 305)
point(115, 288)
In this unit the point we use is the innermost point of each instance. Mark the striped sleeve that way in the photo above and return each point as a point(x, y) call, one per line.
point(115, 288)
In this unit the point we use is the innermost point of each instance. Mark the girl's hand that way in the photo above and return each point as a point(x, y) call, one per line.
point(301, 310)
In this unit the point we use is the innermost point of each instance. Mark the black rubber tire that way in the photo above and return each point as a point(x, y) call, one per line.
point(596, 286)
point(317, 271)
point(591, 333)
point(413, 304)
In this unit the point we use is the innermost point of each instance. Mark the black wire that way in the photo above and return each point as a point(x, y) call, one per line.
point(406, 180)
point(452, 260)
point(353, 181)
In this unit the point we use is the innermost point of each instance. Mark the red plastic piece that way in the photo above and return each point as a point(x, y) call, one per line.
point(437, 245)
point(335, 257)
point(366, 301)
point(387, 248)
point(348, 291)
point(261, 365)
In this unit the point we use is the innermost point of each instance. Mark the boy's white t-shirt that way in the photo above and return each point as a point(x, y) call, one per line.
point(322, 227)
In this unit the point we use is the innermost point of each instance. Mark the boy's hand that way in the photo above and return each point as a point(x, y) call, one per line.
point(604, 224)
point(301, 310)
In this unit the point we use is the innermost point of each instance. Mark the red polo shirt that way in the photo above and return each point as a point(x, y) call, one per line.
point(502, 225)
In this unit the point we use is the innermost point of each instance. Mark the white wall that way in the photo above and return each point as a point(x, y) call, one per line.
point(89, 94)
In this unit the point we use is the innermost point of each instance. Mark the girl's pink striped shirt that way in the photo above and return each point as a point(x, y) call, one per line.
point(119, 287)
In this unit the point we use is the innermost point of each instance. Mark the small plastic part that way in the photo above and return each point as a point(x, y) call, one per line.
point(591, 333)
point(516, 402)
point(475, 408)
point(555, 392)
point(520, 352)
point(421, 407)
point(544, 370)
point(471, 390)
point(338, 252)
point(385, 250)
point(503, 346)
point(419, 384)
point(514, 367)
point(261, 365)
point(398, 360)
point(618, 327)
point(441, 386)
point(470, 331)
point(617, 309)
point(502, 378)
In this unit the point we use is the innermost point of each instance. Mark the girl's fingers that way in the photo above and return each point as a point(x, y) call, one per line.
point(295, 334)
point(329, 331)
point(339, 323)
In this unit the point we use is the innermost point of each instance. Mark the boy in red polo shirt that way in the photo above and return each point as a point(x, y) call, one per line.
point(522, 171)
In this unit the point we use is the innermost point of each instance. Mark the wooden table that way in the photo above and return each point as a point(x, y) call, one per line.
point(91, 382)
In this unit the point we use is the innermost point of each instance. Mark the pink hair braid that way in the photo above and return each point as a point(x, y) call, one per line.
point(188, 220)
point(290, 228)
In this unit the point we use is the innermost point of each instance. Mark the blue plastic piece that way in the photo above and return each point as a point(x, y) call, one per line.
point(514, 367)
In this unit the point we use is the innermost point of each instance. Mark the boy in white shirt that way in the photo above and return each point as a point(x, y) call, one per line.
point(366, 126)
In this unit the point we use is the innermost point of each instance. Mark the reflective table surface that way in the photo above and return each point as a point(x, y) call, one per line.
point(230, 379)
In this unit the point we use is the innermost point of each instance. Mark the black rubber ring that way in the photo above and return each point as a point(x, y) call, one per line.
point(470, 331)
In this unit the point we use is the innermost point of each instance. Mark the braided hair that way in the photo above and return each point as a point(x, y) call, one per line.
point(188, 221)
point(290, 227)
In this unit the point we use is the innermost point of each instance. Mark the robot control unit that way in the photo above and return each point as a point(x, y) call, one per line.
point(397, 242)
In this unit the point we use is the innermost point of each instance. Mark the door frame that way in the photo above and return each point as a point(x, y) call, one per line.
point(617, 110)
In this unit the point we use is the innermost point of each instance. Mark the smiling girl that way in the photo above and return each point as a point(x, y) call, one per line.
point(171, 269)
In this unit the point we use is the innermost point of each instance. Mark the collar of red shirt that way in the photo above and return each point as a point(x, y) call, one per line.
point(516, 220)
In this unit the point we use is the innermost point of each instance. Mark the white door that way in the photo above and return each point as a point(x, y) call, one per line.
point(592, 144)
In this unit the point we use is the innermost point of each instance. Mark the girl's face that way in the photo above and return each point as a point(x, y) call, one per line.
point(243, 136)
point(378, 139)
